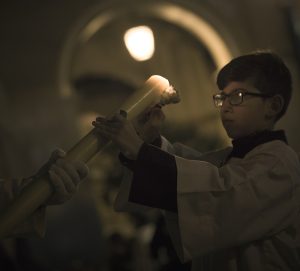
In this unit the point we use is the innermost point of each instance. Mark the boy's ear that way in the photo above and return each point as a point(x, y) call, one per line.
point(275, 106)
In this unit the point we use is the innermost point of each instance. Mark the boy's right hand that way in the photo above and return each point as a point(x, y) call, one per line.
point(148, 124)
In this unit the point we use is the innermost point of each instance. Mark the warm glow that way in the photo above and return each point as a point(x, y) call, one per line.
point(139, 42)
point(211, 35)
point(200, 28)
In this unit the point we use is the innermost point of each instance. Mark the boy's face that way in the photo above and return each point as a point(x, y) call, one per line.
point(248, 117)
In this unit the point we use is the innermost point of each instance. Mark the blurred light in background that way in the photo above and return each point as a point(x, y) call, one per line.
point(139, 42)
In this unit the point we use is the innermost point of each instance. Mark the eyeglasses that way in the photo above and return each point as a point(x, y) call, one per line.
point(236, 97)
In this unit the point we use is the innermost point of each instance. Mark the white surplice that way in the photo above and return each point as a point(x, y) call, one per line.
point(244, 213)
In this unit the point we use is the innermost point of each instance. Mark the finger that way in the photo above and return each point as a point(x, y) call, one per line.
point(119, 117)
point(100, 119)
point(58, 153)
point(142, 118)
point(154, 117)
point(157, 112)
point(114, 124)
point(81, 169)
point(106, 121)
point(107, 132)
point(96, 123)
point(64, 178)
point(70, 169)
point(147, 111)
point(58, 186)
point(103, 133)
point(145, 116)
point(157, 116)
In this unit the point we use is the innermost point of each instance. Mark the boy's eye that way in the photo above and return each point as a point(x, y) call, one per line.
point(236, 97)
point(238, 92)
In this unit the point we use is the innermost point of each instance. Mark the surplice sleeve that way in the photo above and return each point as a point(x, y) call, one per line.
point(135, 198)
point(219, 207)
point(240, 202)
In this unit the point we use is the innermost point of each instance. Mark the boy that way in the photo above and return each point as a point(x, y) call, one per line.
point(235, 208)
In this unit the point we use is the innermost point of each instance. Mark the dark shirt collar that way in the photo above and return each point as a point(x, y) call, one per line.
point(242, 146)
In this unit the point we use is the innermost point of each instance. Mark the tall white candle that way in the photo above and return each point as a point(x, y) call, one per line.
point(156, 90)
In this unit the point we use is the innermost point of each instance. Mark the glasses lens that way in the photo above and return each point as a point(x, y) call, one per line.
point(236, 98)
point(218, 100)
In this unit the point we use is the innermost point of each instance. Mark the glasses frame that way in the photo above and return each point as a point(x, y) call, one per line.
point(242, 92)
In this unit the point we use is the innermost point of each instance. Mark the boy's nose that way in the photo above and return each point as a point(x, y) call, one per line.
point(226, 106)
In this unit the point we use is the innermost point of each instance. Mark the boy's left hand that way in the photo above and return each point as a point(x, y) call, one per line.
point(121, 132)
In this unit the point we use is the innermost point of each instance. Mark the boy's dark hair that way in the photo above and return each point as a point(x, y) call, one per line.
point(265, 70)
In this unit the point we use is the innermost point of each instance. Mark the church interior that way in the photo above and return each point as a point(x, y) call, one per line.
point(63, 63)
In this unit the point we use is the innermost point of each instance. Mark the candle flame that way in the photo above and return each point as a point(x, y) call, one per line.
point(170, 90)
point(169, 96)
